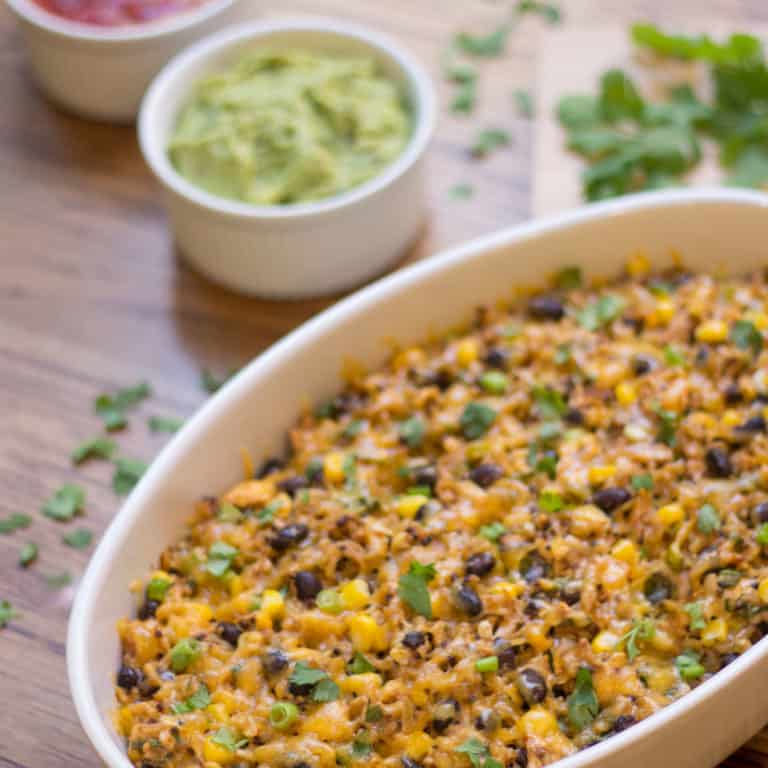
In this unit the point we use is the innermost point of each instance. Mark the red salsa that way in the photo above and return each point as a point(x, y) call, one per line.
point(114, 13)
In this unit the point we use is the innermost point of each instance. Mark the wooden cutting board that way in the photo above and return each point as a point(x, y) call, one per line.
point(572, 61)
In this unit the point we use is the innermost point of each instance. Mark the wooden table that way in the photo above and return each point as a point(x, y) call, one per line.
point(93, 297)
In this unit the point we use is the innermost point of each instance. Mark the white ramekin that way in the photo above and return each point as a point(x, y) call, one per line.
point(713, 230)
point(102, 72)
point(307, 249)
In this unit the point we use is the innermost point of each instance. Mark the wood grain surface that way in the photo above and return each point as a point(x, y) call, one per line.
point(93, 297)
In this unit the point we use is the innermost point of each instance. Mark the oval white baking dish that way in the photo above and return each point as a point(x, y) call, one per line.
point(713, 230)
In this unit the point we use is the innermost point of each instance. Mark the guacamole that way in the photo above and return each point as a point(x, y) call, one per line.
point(290, 127)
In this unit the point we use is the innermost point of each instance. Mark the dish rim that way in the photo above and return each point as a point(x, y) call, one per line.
point(370, 296)
point(77, 31)
point(155, 152)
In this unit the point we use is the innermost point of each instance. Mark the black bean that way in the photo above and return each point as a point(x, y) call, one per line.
point(753, 425)
point(292, 485)
point(289, 536)
point(485, 474)
point(413, 639)
point(657, 588)
point(274, 661)
point(521, 758)
point(570, 593)
point(271, 465)
point(308, 585)
point(534, 567)
point(302, 764)
point(634, 322)
point(702, 356)
point(129, 677)
point(468, 600)
point(480, 564)
point(532, 686)
point(300, 689)
point(407, 762)
point(718, 462)
point(487, 720)
point(622, 722)
point(505, 652)
point(732, 394)
point(609, 499)
point(147, 609)
point(425, 475)
point(496, 357)
point(546, 308)
point(229, 632)
point(642, 365)
point(574, 417)
point(444, 713)
point(728, 658)
point(760, 513)
point(441, 379)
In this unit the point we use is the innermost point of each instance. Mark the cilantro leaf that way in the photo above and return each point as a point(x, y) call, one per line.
point(642, 482)
point(198, 700)
point(78, 539)
point(689, 666)
point(601, 312)
point(220, 557)
point(15, 522)
point(551, 501)
point(326, 690)
point(361, 746)
point(98, 448)
point(412, 431)
point(229, 739)
point(746, 336)
point(185, 653)
point(475, 750)
point(127, 474)
point(374, 714)
point(707, 519)
point(476, 420)
point(359, 665)
point(489, 140)
point(569, 278)
point(65, 503)
point(489, 45)
point(578, 112)
point(619, 98)
point(7, 612)
point(267, 513)
point(27, 554)
point(493, 531)
point(549, 402)
point(644, 629)
point(164, 424)
point(412, 588)
point(303, 674)
point(583, 706)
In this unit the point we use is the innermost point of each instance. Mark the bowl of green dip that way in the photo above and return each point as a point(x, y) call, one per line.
point(291, 154)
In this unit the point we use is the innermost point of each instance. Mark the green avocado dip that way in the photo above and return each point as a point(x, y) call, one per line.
point(290, 127)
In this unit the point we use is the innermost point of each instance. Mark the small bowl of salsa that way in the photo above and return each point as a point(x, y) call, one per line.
point(95, 58)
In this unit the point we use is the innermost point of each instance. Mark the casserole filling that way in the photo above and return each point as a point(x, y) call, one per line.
point(506, 545)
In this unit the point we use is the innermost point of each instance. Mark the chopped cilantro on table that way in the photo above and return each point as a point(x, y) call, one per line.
point(489, 140)
point(65, 503)
point(98, 448)
point(461, 191)
point(27, 554)
point(164, 424)
point(413, 590)
point(58, 580)
point(15, 522)
point(80, 538)
point(127, 473)
point(7, 612)
point(488, 45)
point(523, 103)
point(212, 383)
point(548, 11)
point(112, 408)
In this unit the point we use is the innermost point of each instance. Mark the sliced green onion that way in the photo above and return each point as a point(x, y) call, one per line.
point(283, 715)
point(487, 664)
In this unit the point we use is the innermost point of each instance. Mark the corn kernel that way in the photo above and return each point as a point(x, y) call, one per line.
point(251, 493)
point(272, 607)
point(508, 589)
point(588, 520)
point(218, 712)
point(355, 594)
point(731, 418)
point(670, 514)
point(605, 642)
point(331, 722)
point(662, 641)
point(638, 265)
point(715, 632)
point(466, 352)
point(712, 332)
point(762, 591)
point(626, 393)
point(418, 745)
point(538, 722)
point(626, 551)
point(536, 636)
point(613, 576)
point(333, 467)
point(758, 319)
point(407, 506)
point(235, 585)
point(361, 685)
point(365, 634)
point(664, 312)
point(215, 753)
point(601, 473)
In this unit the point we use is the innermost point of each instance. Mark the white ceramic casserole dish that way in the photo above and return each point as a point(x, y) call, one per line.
point(713, 230)
point(303, 249)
